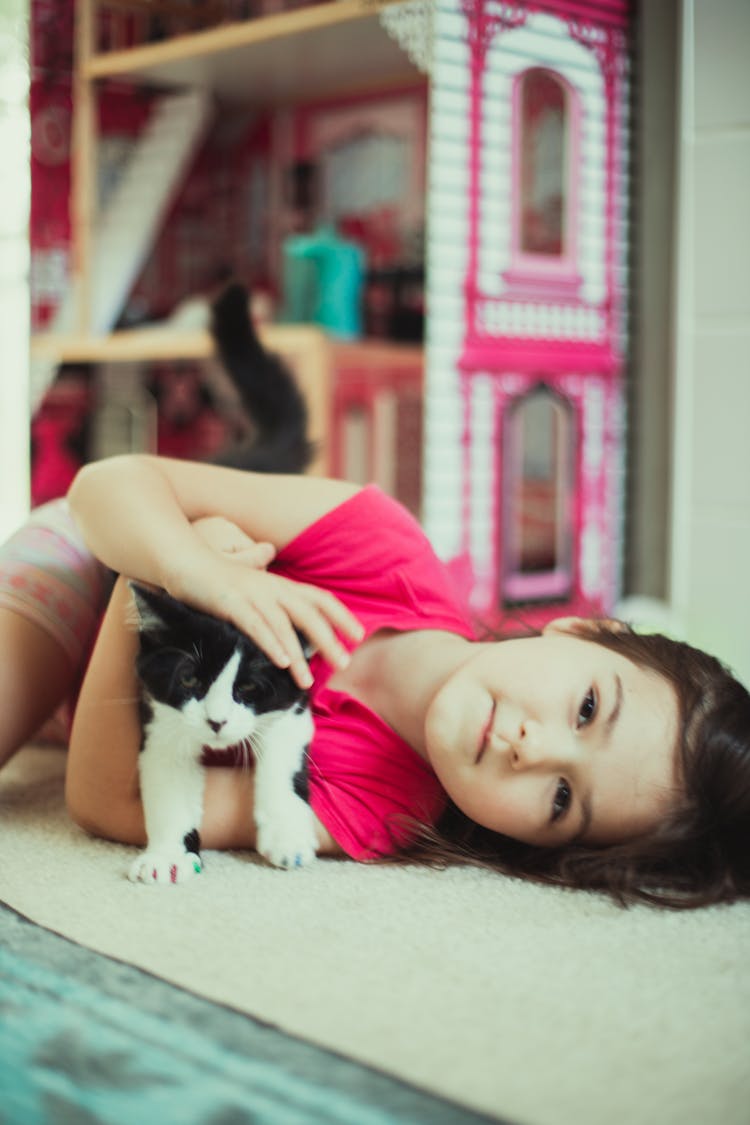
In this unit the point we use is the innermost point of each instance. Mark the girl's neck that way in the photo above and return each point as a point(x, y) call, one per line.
point(396, 675)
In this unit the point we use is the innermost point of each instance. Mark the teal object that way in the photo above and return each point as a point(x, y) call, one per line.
point(339, 277)
point(70, 1052)
point(300, 289)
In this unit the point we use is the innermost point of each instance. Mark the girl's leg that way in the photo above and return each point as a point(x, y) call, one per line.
point(52, 595)
point(36, 675)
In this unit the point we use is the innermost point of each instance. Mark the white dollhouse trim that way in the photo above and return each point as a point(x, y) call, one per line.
point(484, 437)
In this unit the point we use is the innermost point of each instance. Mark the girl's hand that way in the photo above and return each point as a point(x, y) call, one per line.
point(268, 607)
point(224, 537)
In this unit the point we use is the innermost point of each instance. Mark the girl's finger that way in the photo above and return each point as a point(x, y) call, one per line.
point(308, 618)
point(342, 619)
point(257, 555)
point(278, 620)
point(271, 627)
point(255, 625)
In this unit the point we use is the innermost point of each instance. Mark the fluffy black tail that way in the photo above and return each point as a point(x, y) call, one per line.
point(267, 389)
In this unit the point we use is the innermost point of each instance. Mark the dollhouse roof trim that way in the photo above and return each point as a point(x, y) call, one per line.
point(607, 13)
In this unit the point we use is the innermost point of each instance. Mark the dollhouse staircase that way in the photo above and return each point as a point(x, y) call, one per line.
point(128, 224)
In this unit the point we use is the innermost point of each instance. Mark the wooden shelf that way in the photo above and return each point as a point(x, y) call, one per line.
point(314, 51)
point(141, 345)
point(373, 355)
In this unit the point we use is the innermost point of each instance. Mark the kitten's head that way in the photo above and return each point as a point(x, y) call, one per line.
point(220, 682)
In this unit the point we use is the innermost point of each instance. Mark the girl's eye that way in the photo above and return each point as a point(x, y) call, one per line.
point(587, 710)
point(561, 803)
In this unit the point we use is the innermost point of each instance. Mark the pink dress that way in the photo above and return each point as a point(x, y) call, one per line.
point(366, 783)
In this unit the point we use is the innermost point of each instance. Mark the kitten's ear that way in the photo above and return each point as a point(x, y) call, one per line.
point(145, 613)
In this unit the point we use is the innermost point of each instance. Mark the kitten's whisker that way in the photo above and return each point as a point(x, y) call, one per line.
point(248, 754)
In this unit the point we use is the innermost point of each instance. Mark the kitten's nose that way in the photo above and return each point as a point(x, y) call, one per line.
point(214, 725)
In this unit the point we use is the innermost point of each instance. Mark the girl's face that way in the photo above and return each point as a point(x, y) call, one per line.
point(554, 738)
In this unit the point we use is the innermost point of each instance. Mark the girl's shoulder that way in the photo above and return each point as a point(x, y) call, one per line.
point(375, 557)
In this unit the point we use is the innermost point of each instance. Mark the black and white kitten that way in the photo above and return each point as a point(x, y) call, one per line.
point(205, 685)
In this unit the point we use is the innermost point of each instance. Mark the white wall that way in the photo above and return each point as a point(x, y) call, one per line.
point(710, 577)
point(14, 266)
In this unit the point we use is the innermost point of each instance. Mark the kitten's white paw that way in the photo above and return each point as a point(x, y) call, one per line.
point(165, 867)
point(288, 839)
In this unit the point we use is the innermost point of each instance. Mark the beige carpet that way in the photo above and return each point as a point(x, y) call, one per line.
point(547, 1007)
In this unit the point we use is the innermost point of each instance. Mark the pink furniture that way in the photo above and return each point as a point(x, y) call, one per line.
point(527, 351)
point(376, 417)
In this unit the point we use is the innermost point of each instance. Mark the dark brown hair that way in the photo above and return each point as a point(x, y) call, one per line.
point(700, 853)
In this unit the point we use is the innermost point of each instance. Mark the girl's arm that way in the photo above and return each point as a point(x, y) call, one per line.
point(135, 512)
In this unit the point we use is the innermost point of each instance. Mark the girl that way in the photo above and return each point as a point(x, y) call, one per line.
point(586, 756)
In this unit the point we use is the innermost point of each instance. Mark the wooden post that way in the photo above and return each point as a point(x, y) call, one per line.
point(83, 164)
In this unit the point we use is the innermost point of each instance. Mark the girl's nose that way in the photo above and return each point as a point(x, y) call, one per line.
point(543, 744)
point(527, 747)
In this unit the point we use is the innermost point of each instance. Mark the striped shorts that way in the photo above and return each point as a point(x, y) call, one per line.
point(49, 576)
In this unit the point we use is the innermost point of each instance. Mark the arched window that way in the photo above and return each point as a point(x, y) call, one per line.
point(545, 123)
point(542, 170)
point(538, 467)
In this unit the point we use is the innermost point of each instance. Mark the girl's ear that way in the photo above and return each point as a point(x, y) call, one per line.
point(583, 626)
point(569, 626)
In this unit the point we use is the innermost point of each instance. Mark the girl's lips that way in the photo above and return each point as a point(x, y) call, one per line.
point(485, 734)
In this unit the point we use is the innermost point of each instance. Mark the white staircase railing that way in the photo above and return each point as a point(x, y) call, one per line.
point(125, 231)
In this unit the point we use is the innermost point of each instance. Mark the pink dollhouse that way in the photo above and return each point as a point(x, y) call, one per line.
point(524, 413)
point(521, 413)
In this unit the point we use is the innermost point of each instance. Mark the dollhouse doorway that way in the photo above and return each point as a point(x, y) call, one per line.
point(536, 497)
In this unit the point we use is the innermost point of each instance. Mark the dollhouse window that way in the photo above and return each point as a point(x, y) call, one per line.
point(537, 497)
point(542, 163)
point(364, 173)
point(545, 126)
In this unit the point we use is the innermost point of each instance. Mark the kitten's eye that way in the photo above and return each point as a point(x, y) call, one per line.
point(588, 708)
point(246, 691)
point(188, 678)
point(561, 802)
